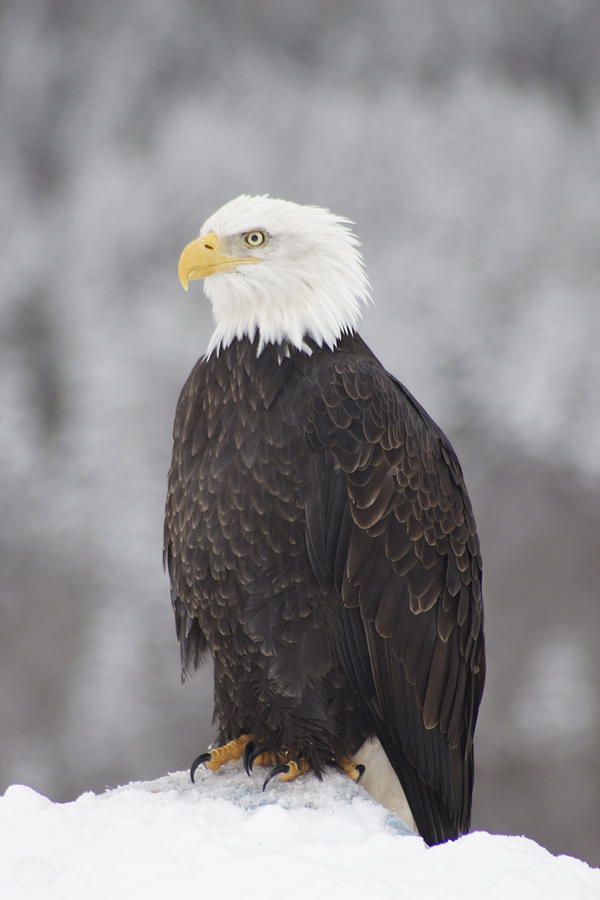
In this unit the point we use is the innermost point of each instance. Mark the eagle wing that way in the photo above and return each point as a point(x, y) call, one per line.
point(186, 577)
point(390, 525)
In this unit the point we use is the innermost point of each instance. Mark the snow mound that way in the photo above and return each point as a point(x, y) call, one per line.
point(224, 837)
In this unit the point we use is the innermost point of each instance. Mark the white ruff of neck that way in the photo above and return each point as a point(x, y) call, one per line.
point(310, 281)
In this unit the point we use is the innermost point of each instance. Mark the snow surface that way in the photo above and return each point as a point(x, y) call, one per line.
point(224, 836)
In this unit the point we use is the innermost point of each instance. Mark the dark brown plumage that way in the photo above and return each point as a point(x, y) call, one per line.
point(321, 545)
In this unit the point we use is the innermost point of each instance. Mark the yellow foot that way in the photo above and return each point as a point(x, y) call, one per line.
point(218, 756)
point(292, 769)
point(287, 771)
point(268, 759)
point(353, 770)
point(254, 755)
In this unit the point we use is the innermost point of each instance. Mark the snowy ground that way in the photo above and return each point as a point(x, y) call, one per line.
point(223, 837)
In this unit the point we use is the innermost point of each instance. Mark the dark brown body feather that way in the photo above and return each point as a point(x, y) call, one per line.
point(321, 544)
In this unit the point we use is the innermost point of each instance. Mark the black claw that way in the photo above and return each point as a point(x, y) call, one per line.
point(249, 756)
point(204, 757)
point(277, 770)
point(361, 770)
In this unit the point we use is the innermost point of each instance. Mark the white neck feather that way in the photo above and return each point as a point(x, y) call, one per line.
point(310, 282)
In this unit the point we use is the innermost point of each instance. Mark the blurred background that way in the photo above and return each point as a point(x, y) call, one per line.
point(464, 140)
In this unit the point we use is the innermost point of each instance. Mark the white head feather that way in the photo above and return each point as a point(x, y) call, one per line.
point(310, 282)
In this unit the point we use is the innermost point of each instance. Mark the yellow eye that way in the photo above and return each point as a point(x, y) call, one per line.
point(255, 238)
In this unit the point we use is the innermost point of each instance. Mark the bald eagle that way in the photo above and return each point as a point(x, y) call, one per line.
point(319, 537)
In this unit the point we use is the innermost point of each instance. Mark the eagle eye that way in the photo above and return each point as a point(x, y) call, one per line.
point(255, 238)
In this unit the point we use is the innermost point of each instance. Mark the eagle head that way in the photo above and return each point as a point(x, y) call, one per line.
point(277, 270)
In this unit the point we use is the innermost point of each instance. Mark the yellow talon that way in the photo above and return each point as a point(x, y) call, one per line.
point(218, 756)
point(294, 768)
point(350, 768)
point(268, 759)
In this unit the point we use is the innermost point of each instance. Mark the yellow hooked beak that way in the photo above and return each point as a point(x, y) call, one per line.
point(205, 256)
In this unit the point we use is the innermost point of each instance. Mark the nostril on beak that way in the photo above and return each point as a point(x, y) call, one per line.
point(208, 247)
